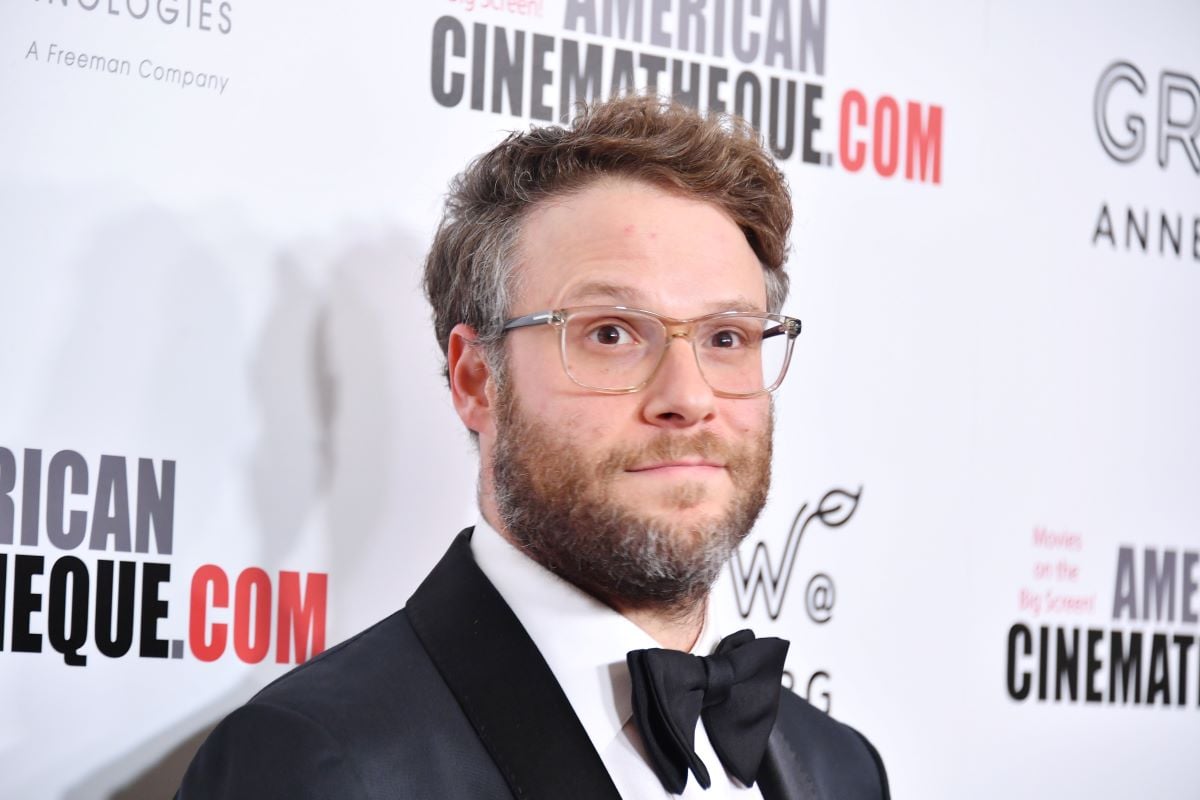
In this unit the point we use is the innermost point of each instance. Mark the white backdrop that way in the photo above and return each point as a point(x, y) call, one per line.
point(995, 392)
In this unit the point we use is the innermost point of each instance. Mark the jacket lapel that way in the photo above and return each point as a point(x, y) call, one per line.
point(503, 684)
point(779, 777)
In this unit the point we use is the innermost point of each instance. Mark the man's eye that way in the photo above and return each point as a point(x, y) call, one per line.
point(610, 334)
point(727, 338)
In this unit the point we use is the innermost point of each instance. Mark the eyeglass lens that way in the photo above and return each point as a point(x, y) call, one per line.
point(619, 350)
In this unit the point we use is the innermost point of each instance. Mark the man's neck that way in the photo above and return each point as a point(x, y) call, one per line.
point(673, 628)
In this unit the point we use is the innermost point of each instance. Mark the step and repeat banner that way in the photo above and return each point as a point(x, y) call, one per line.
point(225, 443)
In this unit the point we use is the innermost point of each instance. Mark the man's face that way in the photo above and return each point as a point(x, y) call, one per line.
point(637, 498)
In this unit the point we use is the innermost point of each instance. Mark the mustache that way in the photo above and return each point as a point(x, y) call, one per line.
point(704, 445)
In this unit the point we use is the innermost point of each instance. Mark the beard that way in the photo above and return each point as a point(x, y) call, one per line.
point(556, 502)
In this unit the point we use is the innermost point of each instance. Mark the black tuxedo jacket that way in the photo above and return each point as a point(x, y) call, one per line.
point(449, 698)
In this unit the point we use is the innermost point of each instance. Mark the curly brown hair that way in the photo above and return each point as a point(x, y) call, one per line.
point(717, 158)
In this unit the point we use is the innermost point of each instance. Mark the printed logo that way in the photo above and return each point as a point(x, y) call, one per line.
point(765, 64)
point(146, 69)
point(1120, 95)
point(201, 16)
point(1123, 99)
point(72, 600)
point(834, 510)
point(770, 580)
point(1143, 657)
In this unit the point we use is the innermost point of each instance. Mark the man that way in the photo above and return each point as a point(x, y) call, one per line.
point(606, 297)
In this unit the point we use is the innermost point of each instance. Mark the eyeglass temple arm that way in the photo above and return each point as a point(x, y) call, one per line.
point(791, 328)
point(537, 318)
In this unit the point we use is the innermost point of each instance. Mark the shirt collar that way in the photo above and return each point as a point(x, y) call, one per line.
point(583, 641)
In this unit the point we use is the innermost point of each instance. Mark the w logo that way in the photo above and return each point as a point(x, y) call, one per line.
point(835, 509)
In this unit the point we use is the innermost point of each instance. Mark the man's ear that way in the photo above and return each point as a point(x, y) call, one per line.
point(470, 379)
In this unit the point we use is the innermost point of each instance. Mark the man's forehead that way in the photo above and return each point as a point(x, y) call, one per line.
point(607, 292)
point(619, 209)
point(626, 242)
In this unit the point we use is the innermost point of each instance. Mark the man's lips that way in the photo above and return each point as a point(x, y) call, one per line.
point(691, 466)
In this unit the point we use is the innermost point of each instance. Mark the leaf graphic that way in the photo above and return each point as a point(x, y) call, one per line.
point(837, 507)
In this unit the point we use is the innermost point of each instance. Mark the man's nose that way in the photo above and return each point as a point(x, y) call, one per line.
point(678, 396)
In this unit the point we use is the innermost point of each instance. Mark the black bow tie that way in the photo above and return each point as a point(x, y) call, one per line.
point(736, 691)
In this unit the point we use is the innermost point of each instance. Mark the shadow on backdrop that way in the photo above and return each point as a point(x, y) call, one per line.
point(324, 390)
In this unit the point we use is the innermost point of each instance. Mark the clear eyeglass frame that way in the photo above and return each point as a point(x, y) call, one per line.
point(673, 328)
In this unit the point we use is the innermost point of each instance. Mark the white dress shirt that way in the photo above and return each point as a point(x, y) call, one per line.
point(585, 643)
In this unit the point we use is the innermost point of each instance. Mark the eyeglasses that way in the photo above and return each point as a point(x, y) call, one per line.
point(618, 350)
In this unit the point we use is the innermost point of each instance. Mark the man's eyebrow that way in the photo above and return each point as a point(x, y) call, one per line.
point(738, 304)
point(623, 295)
point(603, 290)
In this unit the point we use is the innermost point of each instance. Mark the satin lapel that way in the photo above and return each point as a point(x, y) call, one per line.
point(780, 777)
point(503, 684)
